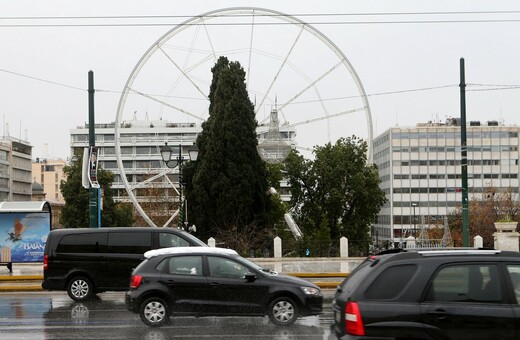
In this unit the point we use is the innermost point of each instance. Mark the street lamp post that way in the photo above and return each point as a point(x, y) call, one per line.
point(166, 155)
point(414, 204)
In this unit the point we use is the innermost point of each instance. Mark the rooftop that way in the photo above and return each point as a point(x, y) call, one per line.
point(184, 250)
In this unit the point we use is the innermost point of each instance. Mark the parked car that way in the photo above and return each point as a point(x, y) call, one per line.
point(88, 261)
point(216, 282)
point(457, 294)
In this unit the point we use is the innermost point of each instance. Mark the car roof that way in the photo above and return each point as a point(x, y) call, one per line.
point(189, 250)
point(476, 253)
point(112, 229)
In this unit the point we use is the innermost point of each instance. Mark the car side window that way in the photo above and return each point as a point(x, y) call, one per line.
point(391, 282)
point(181, 265)
point(83, 243)
point(129, 242)
point(466, 283)
point(226, 268)
point(514, 275)
point(167, 240)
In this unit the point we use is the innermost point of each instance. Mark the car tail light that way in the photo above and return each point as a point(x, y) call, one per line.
point(353, 321)
point(135, 281)
point(45, 262)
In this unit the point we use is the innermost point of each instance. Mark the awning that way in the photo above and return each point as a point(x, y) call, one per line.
point(23, 206)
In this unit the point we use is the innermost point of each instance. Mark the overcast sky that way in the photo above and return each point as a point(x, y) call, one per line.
point(408, 63)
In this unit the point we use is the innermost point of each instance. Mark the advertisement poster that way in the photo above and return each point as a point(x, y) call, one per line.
point(23, 235)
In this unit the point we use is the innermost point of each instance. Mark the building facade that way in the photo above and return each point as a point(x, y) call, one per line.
point(49, 174)
point(139, 146)
point(420, 171)
point(15, 170)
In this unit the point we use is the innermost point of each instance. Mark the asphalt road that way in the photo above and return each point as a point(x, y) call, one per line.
point(45, 315)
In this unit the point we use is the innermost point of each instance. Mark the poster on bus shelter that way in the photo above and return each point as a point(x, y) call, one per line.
point(23, 235)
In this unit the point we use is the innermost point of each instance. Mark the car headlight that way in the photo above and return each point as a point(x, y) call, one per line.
point(310, 290)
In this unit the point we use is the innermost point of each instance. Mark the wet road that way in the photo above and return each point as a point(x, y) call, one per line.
point(44, 315)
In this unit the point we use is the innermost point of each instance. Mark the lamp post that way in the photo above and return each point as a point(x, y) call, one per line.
point(414, 204)
point(166, 155)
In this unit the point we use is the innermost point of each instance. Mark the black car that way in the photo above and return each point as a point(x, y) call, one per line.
point(86, 261)
point(459, 294)
point(216, 282)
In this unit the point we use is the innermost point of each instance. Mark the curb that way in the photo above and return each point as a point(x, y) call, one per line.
point(21, 288)
point(19, 283)
point(20, 277)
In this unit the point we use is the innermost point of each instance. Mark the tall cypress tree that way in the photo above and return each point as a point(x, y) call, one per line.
point(227, 189)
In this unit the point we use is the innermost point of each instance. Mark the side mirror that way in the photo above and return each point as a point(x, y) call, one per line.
point(250, 277)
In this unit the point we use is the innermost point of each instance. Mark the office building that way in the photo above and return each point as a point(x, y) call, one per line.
point(420, 171)
point(139, 147)
point(15, 170)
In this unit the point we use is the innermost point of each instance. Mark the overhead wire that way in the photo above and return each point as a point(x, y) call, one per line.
point(491, 88)
point(248, 15)
point(267, 15)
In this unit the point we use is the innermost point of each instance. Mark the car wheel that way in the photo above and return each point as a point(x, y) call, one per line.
point(283, 311)
point(80, 289)
point(154, 312)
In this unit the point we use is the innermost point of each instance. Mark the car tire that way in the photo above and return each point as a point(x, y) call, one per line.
point(80, 288)
point(283, 311)
point(154, 312)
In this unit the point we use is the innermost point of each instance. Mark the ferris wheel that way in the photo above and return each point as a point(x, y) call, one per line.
point(291, 68)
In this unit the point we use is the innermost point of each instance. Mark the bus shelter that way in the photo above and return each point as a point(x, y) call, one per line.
point(24, 227)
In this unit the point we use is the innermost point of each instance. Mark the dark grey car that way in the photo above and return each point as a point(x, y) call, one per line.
point(216, 282)
point(459, 294)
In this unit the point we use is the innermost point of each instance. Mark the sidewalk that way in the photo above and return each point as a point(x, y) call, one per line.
point(29, 276)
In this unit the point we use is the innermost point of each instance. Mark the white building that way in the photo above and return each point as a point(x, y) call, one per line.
point(422, 165)
point(140, 143)
point(15, 170)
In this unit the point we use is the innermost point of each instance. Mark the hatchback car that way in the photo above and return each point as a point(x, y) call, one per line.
point(204, 281)
point(458, 294)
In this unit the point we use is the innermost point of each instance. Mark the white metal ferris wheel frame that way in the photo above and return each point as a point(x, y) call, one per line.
point(214, 14)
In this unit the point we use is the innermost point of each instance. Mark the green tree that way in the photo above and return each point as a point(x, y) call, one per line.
point(227, 187)
point(337, 191)
point(75, 213)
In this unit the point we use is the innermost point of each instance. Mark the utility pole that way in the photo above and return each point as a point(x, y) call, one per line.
point(93, 202)
point(464, 156)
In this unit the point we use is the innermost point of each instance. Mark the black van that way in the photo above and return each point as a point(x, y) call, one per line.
point(88, 261)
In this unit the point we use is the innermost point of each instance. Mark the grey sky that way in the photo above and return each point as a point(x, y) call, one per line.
point(388, 57)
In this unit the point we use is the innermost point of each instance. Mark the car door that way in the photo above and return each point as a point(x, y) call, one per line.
point(125, 252)
point(229, 290)
point(468, 301)
point(81, 252)
point(513, 270)
point(187, 286)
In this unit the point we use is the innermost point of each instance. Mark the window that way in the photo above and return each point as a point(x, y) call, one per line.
point(391, 282)
point(226, 268)
point(466, 283)
point(109, 165)
point(514, 274)
point(109, 150)
point(181, 265)
point(142, 150)
point(83, 243)
point(171, 240)
point(130, 243)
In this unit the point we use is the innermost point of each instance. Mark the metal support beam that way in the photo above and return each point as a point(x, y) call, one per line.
point(464, 157)
point(93, 202)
